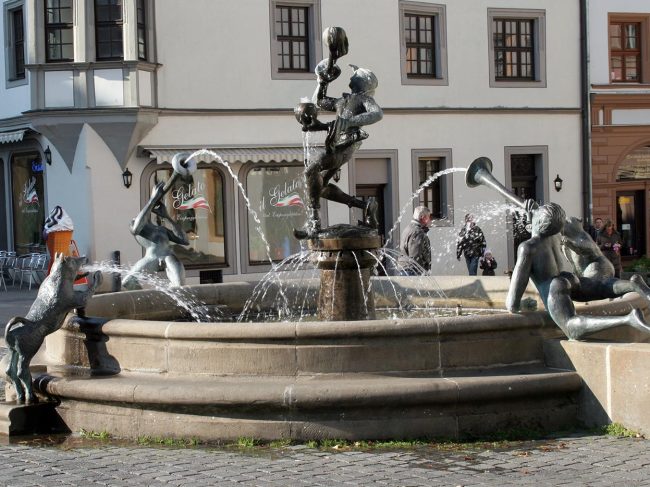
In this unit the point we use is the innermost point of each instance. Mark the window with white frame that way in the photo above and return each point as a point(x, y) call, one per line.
point(423, 43)
point(295, 38)
point(141, 18)
point(15, 43)
point(435, 189)
point(517, 47)
point(109, 26)
point(59, 43)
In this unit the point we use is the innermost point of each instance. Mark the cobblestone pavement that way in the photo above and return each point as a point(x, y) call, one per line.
point(571, 460)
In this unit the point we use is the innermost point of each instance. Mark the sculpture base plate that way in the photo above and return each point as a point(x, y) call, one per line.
point(345, 237)
point(28, 419)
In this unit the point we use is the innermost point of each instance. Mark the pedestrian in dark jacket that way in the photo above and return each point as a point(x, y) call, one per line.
point(415, 247)
point(471, 244)
point(595, 229)
point(488, 263)
point(609, 242)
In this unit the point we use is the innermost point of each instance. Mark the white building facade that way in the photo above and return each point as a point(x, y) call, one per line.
point(111, 85)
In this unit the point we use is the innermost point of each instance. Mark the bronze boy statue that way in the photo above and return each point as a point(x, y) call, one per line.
point(541, 259)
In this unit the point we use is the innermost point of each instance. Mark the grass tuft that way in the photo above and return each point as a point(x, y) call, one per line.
point(617, 429)
point(94, 435)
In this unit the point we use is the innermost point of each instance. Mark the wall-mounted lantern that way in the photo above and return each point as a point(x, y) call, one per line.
point(48, 155)
point(558, 183)
point(127, 178)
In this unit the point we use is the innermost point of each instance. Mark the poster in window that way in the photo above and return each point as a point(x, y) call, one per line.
point(196, 202)
point(28, 202)
point(276, 195)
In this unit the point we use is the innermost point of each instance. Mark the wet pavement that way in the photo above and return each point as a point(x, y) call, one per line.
point(575, 459)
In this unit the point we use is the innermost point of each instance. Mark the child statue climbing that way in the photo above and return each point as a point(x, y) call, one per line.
point(344, 134)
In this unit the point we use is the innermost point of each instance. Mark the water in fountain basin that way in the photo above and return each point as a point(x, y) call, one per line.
point(182, 297)
point(294, 275)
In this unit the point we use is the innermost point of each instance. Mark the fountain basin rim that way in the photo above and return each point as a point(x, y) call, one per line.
point(311, 329)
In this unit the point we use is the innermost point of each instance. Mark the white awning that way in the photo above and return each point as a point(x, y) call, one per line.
point(9, 137)
point(231, 154)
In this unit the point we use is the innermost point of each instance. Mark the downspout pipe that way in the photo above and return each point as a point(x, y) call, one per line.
point(587, 195)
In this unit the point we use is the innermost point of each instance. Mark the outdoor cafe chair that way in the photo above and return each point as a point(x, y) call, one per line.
point(32, 266)
point(3, 262)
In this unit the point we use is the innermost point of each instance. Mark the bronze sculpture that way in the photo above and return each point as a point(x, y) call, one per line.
point(541, 259)
point(344, 134)
point(56, 298)
point(157, 239)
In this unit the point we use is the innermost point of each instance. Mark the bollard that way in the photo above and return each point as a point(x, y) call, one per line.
point(116, 282)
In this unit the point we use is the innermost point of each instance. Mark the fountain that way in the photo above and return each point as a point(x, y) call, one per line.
point(135, 366)
point(343, 251)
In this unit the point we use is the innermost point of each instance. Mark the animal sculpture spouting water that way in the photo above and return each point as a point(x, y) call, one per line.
point(56, 298)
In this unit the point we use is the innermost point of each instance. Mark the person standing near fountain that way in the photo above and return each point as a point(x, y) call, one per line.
point(609, 242)
point(541, 259)
point(471, 244)
point(344, 135)
point(488, 263)
point(415, 247)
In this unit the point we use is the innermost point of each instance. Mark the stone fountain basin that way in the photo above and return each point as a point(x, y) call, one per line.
point(451, 377)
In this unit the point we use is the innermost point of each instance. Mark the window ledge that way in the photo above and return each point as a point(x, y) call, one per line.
point(618, 86)
point(517, 84)
point(63, 66)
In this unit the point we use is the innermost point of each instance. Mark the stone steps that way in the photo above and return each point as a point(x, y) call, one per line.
point(349, 406)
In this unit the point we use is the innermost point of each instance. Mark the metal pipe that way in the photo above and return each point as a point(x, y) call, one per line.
point(587, 191)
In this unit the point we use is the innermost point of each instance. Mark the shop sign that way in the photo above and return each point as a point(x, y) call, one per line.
point(37, 166)
point(29, 200)
point(190, 198)
point(283, 195)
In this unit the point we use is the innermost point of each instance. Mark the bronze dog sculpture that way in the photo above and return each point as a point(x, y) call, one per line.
point(56, 298)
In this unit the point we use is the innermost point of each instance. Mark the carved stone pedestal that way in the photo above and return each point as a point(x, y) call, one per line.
point(346, 256)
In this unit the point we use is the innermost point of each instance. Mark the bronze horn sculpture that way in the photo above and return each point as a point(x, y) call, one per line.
point(479, 172)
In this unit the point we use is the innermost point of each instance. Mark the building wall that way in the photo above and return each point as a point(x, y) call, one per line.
point(214, 87)
point(598, 11)
point(225, 74)
point(620, 112)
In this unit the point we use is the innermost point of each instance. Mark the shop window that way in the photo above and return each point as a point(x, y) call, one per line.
point(295, 38)
point(423, 43)
point(28, 202)
point(276, 194)
point(517, 48)
point(197, 204)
